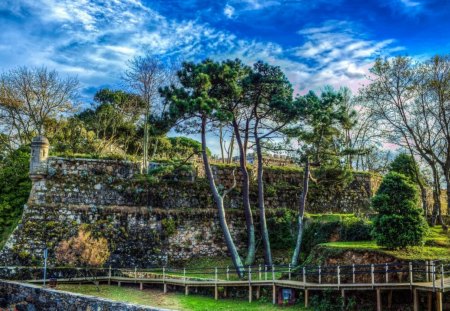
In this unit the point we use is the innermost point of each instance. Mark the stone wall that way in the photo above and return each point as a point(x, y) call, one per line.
point(24, 297)
point(148, 223)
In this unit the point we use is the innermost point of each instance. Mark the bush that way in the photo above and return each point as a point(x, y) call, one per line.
point(281, 230)
point(83, 250)
point(324, 229)
point(400, 222)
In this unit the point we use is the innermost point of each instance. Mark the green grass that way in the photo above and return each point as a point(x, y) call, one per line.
point(437, 247)
point(155, 297)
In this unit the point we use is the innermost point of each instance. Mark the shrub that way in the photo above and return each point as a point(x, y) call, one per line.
point(83, 250)
point(400, 222)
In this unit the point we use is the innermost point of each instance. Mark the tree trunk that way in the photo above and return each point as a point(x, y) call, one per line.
point(262, 209)
point(220, 206)
point(251, 243)
point(221, 143)
point(423, 190)
point(231, 149)
point(301, 213)
point(436, 197)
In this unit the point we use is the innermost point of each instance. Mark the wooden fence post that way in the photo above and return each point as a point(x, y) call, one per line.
point(386, 269)
point(372, 270)
point(249, 274)
point(289, 271)
point(353, 273)
point(320, 275)
point(442, 277)
point(433, 275)
point(184, 275)
point(265, 272)
point(339, 275)
point(304, 275)
point(273, 273)
point(135, 274)
point(410, 274)
point(259, 272)
point(109, 275)
point(228, 273)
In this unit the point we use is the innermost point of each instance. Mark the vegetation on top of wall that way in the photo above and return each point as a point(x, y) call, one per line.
point(103, 156)
point(15, 188)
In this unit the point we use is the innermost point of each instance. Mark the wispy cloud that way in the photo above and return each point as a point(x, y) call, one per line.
point(95, 39)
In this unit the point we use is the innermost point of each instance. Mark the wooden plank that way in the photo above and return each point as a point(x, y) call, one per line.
point(250, 293)
point(415, 300)
point(379, 306)
point(438, 301)
point(306, 298)
point(274, 293)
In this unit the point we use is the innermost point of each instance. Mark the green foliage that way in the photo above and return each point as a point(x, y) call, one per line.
point(330, 301)
point(169, 226)
point(15, 188)
point(334, 227)
point(406, 165)
point(399, 222)
point(179, 147)
point(281, 229)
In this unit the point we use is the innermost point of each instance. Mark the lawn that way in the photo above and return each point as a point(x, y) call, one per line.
point(437, 247)
point(178, 301)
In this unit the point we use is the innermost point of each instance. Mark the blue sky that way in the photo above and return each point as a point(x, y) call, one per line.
point(316, 42)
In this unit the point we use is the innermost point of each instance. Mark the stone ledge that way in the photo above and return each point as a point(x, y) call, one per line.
point(32, 297)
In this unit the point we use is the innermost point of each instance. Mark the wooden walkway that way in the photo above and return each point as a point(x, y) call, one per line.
point(428, 277)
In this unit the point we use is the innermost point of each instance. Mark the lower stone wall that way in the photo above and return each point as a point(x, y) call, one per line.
point(19, 296)
point(137, 236)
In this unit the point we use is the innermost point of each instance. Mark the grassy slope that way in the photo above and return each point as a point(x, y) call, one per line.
point(156, 298)
point(437, 246)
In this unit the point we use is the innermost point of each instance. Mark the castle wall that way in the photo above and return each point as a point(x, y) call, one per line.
point(148, 223)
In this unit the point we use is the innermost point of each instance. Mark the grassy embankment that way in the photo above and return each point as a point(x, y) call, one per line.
point(437, 247)
point(155, 298)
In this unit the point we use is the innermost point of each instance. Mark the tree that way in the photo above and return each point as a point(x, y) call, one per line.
point(406, 164)
point(28, 97)
point(233, 101)
point(269, 98)
point(321, 122)
point(406, 98)
point(15, 186)
point(82, 251)
point(399, 222)
point(146, 75)
point(197, 103)
point(113, 119)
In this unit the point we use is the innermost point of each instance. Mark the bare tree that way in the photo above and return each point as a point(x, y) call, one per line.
point(400, 98)
point(29, 97)
point(146, 75)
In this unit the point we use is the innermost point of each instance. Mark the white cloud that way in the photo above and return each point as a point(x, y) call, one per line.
point(228, 11)
point(95, 40)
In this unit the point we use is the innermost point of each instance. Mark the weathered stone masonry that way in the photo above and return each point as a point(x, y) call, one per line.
point(151, 223)
point(31, 297)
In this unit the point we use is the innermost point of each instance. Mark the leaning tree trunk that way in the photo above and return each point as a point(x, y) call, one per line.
point(220, 206)
point(251, 243)
point(301, 213)
point(262, 209)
